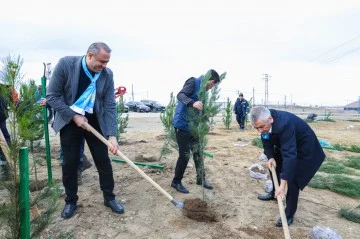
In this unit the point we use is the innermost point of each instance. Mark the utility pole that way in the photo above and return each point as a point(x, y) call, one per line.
point(253, 97)
point(291, 106)
point(266, 78)
point(132, 92)
point(285, 102)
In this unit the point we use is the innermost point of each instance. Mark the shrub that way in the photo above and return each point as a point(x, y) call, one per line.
point(337, 183)
point(336, 168)
point(354, 148)
point(257, 142)
point(227, 115)
point(353, 162)
point(350, 214)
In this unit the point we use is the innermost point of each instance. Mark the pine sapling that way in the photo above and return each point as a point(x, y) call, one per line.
point(23, 127)
point(121, 119)
point(199, 120)
point(227, 115)
point(166, 118)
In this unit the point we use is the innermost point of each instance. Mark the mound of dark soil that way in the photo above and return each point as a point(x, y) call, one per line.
point(198, 210)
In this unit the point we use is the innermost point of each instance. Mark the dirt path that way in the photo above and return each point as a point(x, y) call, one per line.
point(150, 215)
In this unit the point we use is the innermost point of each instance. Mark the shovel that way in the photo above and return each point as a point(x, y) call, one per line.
point(144, 175)
point(281, 206)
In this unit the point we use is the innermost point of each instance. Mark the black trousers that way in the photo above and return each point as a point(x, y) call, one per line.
point(187, 143)
point(240, 118)
point(292, 195)
point(71, 137)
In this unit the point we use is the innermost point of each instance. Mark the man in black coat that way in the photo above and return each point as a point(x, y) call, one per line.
point(241, 109)
point(4, 97)
point(293, 149)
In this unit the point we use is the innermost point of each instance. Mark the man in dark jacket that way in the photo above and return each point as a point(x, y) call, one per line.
point(81, 91)
point(188, 97)
point(241, 109)
point(4, 115)
point(293, 149)
point(4, 98)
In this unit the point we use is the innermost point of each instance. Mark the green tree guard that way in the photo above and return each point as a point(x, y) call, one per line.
point(46, 129)
point(24, 193)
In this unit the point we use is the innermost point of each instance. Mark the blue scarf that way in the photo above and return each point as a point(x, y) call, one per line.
point(86, 101)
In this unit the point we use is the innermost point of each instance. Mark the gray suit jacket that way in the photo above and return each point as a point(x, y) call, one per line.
point(62, 91)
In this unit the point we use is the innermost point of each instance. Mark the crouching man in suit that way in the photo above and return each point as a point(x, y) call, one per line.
point(293, 149)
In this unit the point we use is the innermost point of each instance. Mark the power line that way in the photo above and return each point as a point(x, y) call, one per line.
point(341, 56)
point(335, 48)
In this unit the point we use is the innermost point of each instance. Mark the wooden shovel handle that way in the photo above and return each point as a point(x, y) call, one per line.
point(121, 155)
point(4, 147)
point(281, 206)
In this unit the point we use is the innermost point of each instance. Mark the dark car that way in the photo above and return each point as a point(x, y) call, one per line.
point(154, 105)
point(125, 108)
point(137, 106)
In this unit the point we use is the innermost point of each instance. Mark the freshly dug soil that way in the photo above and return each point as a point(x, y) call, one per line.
point(142, 158)
point(198, 210)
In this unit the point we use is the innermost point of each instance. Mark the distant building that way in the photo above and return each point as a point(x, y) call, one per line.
point(353, 106)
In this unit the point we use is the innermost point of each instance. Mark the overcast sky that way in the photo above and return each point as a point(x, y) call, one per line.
point(158, 44)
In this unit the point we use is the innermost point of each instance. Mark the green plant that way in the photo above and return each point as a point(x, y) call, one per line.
point(257, 142)
point(354, 148)
point(23, 127)
point(250, 102)
point(327, 117)
point(337, 168)
point(227, 115)
point(47, 201)
point(121, 119)
point(30, 119)
point(353, 162)
point(166, 118)
point(337, 183)
point(10, 211)
point(350, 214)
point(199, 120)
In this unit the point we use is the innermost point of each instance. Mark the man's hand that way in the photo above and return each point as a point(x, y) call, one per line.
point(43, 102)
point(281, 190)
point(271, 163)
point(198, 105)
point(115, 146)
point(80, 121)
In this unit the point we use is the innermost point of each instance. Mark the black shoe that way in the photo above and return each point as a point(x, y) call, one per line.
point(179, 187)
point(289, 221)
point(86, 163)
point(115, 206)
point(68, 211)
point(206, 185)
point(266, 197)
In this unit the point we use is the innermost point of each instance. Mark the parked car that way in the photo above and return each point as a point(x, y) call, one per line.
point(154, 105)
point(125, 109)
point(137, 106)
